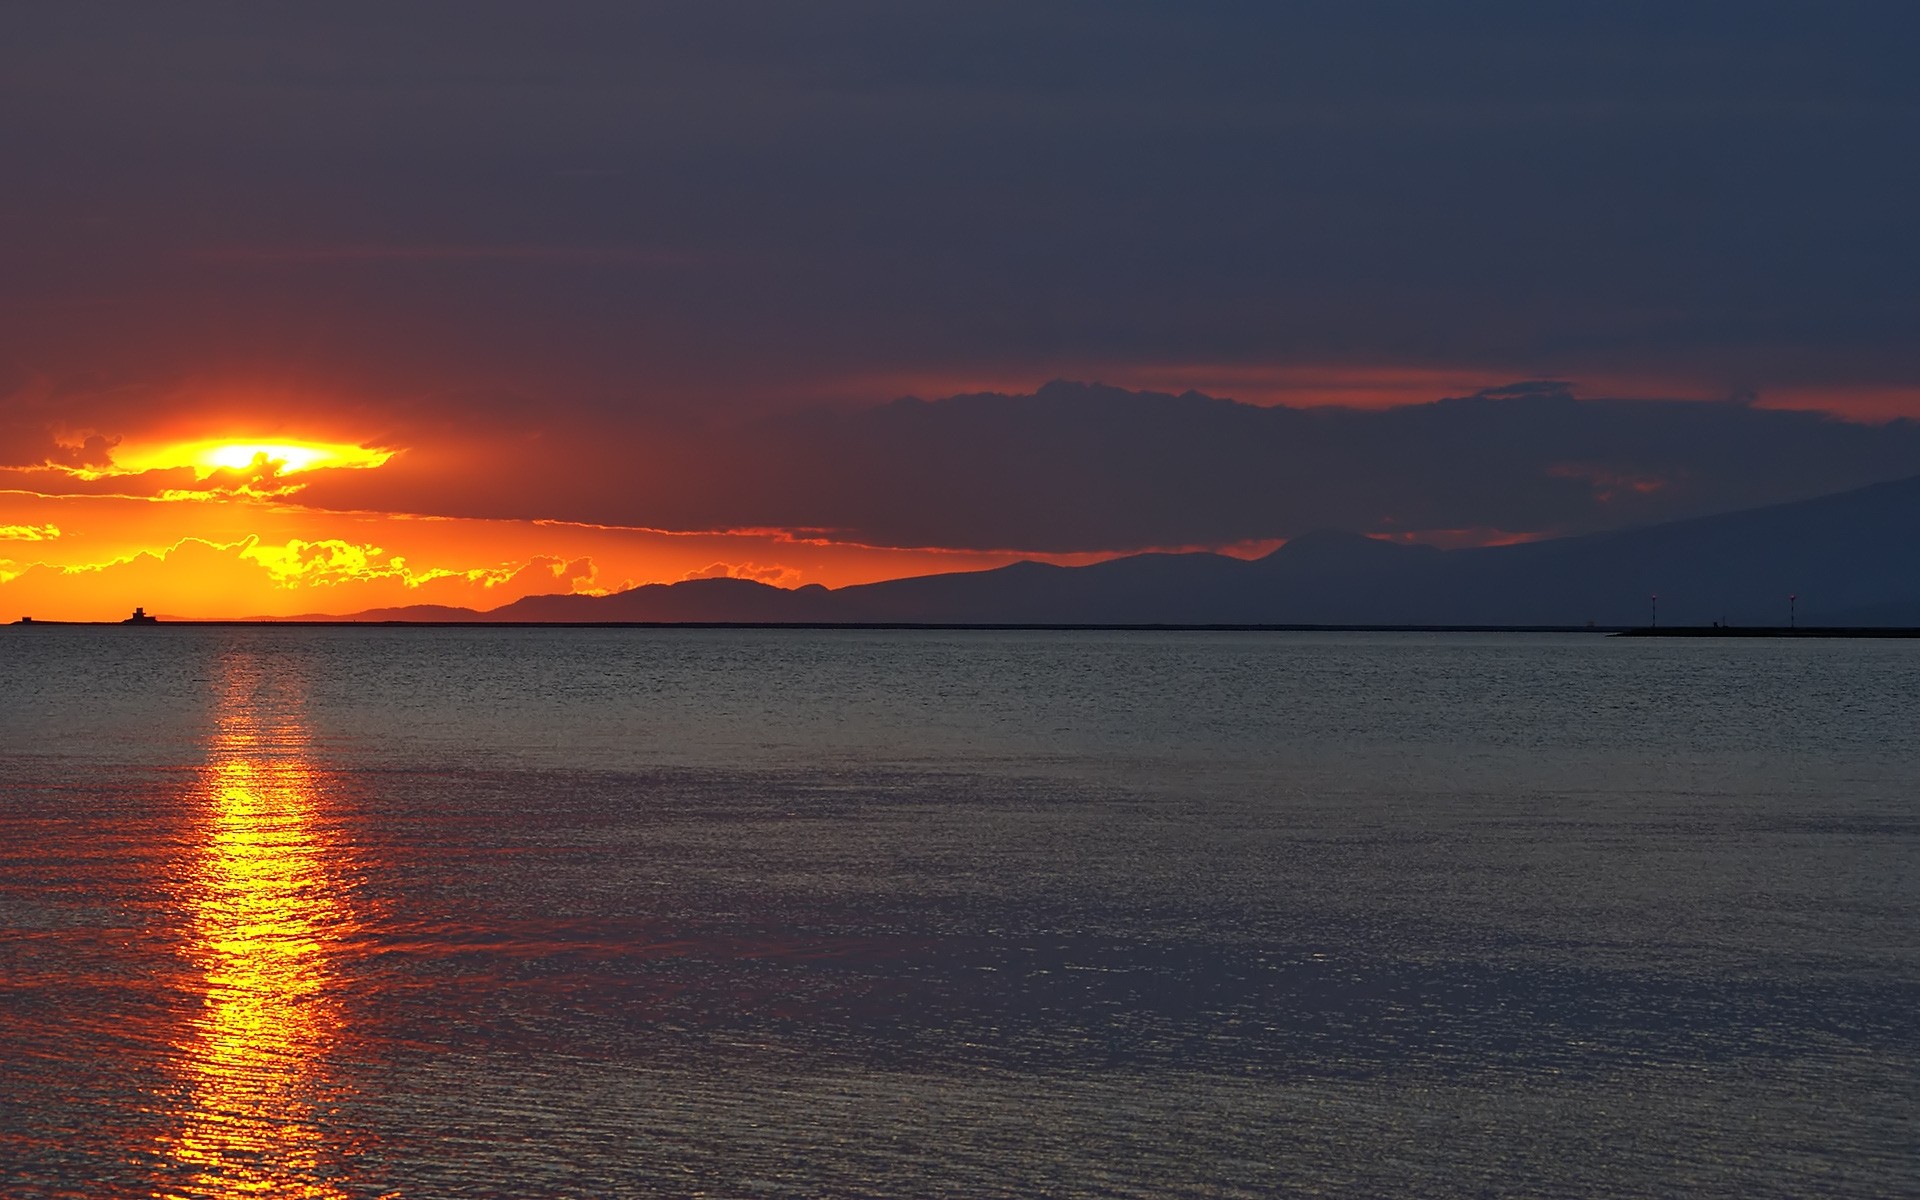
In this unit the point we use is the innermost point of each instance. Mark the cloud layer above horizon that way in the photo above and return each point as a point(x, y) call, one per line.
point(1081, 468)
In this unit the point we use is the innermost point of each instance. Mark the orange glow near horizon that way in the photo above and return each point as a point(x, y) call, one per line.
point(267, 917)
point(93, 558)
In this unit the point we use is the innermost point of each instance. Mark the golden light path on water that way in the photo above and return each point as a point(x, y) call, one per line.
point(267, 914)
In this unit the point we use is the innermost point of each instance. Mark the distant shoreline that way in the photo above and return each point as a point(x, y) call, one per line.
point(1663, 631)
point(1773, 631)
point(983, 626)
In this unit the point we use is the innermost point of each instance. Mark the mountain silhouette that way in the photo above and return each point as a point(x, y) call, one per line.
point(1849, 558)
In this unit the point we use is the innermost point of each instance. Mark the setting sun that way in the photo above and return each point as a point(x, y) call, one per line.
point(290, 458)
point(223, 454)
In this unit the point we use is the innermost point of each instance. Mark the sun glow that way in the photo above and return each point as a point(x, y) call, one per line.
point(288, 458)
point(234, 454)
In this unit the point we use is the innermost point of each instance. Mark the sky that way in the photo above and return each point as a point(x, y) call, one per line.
point(318, 308)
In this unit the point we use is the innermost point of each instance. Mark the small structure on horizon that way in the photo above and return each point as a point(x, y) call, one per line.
point(140, 617)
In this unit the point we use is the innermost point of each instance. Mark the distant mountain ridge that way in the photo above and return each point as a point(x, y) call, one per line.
point(1850, 558)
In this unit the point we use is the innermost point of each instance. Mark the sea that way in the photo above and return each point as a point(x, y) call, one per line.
point(549, 912)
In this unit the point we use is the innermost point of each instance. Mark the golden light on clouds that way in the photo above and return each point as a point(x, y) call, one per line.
point(250, 551)
point(28, 533)
point(286, 456)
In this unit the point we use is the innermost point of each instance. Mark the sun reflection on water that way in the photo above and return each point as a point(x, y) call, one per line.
point(267, 915)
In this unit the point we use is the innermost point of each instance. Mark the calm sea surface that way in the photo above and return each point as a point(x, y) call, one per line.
point(587, 913)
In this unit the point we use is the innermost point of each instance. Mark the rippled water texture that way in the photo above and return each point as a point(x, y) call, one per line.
point(544, 913)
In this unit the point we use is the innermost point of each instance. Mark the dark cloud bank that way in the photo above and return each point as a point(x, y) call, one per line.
point(1077, 467)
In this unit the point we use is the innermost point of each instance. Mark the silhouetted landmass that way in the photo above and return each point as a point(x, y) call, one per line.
point(421, 613)
point(704, 600)
point(1849, 558)
point(1771, 631)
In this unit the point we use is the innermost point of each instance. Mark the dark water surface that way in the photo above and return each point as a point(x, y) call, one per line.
point(446, 912)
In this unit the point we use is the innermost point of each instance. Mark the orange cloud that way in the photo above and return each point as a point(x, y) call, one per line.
point(1456, 539)
point(1856, 402)
point(777, 575)
point(544, 574)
